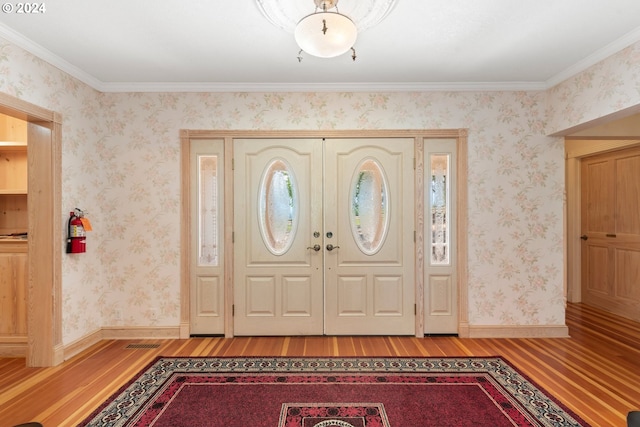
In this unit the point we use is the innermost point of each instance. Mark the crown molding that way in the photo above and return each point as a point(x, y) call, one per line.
point(323, 87)
point(623, 42)
point(48, 56)
point(117, 87)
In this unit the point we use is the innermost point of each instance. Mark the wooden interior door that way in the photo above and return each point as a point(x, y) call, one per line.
point(610, 198)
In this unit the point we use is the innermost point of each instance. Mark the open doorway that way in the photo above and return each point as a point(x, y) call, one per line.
point(615, 135)
point(44, 231)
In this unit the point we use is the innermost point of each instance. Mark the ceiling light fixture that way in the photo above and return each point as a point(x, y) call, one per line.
point(327, 32)
point(324, 33)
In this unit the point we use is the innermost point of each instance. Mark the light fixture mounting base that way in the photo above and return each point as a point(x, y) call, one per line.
point(325, 4)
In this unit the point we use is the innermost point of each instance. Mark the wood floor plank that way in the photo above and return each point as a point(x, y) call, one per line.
point(595, 372)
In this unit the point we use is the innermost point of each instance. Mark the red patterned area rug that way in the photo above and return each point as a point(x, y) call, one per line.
point(331, 392)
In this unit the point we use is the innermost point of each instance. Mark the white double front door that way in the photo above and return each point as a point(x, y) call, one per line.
point(324, 237)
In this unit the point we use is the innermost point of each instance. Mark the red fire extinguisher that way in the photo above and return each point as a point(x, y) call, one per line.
point(76, 236)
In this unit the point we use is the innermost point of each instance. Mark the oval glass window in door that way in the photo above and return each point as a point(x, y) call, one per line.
point(369, 198)
point(278, 206)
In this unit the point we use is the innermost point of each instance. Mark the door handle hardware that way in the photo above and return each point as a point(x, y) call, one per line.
point(330, 247)
point(315, 247)
point(584, 237)
point(611, 235)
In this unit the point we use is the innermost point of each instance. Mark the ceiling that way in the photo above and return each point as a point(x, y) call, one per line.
point(156, 45)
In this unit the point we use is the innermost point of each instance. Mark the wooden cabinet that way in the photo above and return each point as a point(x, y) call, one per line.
point(13, 189)
point(12, 130)
point(13, 242)
point(13, 292)
point(13, 175)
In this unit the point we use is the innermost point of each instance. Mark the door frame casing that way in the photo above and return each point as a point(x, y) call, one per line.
point(44, 296)
point(420, 138)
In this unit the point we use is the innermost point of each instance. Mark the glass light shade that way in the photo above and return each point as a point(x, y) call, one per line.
point(285, 14)
point(340, 35)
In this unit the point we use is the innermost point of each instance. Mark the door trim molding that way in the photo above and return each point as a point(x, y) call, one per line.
point(44, 298)
point(419, 135)
point(462, 209)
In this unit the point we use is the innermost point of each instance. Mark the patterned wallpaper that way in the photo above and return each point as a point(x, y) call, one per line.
point(121, 160)
point(611, 86)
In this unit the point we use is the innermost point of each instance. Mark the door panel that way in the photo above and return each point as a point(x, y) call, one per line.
point(441, 296)
point(598, 274)
point(278, 286)
point(208, 298)
point(207, 264)
point(369, 290)
point(628, 270)
point(598, 196)
point(610, 197)
point(627, 182)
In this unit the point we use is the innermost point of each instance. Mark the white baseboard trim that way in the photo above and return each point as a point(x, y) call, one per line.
point(518, 331)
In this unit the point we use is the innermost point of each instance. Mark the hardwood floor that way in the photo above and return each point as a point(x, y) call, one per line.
point(596, 372)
